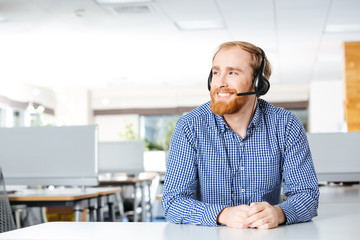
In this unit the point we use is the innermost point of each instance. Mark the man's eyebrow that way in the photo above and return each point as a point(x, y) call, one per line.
point(234, 68)
point(227, 68)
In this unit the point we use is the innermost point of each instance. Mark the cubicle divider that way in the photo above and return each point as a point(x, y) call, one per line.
point(336, 156)
point(44, 156)
point(50, 155)
point(121, 156)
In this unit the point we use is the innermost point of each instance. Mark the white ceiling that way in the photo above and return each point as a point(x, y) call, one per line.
point(78, 43)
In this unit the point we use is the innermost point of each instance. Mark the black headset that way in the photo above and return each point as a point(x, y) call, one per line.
point(261, 84)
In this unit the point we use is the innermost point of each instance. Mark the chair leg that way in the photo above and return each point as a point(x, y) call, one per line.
point(120, 205)
point(43, 214)
point(18, 218)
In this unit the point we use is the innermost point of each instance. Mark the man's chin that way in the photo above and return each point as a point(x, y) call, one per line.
point(222, 108)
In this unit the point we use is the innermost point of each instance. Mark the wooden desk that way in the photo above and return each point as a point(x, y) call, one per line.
point(335, 221)
point(139, 183)
point(77, 198)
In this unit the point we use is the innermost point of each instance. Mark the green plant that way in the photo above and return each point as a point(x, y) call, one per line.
point(128, 134)
point(170, 129)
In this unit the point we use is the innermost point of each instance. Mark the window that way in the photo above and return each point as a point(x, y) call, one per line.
point(18, 118)
point(156, 130)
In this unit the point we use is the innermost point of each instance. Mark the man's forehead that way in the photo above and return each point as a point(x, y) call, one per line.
point(233, 51)
point(232, 57)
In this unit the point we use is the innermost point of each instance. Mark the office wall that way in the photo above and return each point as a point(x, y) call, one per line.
point(75, 106)
point(163, 97)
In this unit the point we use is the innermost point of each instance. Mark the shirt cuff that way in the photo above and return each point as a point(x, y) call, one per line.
point(289, 211)
point(211, 213)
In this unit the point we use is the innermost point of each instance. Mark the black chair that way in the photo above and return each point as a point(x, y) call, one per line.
point(6, 217)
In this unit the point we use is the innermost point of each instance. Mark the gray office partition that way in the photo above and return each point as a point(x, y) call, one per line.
point(122, 156)
point(336, 156)
point(50, 155)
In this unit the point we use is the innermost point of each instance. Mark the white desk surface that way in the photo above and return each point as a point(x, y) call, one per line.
point(335, 221)
point(340, 194)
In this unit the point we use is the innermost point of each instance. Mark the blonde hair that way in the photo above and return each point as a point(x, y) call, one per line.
point(255, 52)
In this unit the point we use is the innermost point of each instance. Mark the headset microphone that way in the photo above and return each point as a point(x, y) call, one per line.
point(245, 94)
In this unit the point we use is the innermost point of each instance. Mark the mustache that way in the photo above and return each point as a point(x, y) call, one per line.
point(225, 90)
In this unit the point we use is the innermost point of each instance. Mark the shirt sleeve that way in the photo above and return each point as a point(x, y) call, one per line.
point(181, 185)
point(300, 184)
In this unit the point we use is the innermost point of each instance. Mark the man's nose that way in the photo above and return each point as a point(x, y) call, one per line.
point(223, 81)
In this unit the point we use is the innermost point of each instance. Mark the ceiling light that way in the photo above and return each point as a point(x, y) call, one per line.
point(342, 28)
point(200, 25)
point(132, 9)
point(117, 2)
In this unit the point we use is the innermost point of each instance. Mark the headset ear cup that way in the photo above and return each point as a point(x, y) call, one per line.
point(261, 84)
point(209, 80)
point(267, 86)
point(264, 86)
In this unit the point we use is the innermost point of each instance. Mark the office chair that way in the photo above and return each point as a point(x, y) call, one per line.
point(6, 217)
point(132, 198)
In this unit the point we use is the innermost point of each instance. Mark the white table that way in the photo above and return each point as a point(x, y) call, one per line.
point(340, 194)
point(335, 221)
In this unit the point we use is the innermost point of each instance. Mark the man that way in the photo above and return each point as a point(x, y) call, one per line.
point(229, 158)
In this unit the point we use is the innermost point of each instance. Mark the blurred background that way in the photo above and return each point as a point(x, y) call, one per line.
point(134, 66)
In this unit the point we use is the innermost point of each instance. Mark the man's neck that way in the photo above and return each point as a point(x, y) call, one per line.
point(240, 121)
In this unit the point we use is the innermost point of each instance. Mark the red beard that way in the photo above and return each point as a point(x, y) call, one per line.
point(222, 108)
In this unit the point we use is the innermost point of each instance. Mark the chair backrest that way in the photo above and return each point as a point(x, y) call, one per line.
point(6, 217)
point(154, 189)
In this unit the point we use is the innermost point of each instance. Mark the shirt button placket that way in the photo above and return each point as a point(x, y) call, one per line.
point(242, 169)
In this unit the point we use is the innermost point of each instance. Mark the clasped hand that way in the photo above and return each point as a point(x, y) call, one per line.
point(259, 215)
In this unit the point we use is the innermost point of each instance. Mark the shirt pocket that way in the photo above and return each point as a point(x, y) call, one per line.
point(264, 171)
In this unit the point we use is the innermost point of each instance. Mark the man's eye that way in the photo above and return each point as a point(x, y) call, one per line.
point(231, 73)
point(215, 73)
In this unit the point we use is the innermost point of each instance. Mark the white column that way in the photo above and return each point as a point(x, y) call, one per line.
point(326, 107)
point(73, 107)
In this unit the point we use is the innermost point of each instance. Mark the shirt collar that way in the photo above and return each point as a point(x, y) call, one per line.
point(221, 123)
point(256, 121)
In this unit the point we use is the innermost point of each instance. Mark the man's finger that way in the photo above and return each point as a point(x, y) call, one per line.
point(255, 208)
point(255, 217)
point(266, 226)
point(261, 222)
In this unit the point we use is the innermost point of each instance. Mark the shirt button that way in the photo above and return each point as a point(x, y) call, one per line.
point(242, 190)
point(242, 168)
point(241, 144)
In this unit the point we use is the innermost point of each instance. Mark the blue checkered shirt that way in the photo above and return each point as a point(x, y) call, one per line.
point(210, 167)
